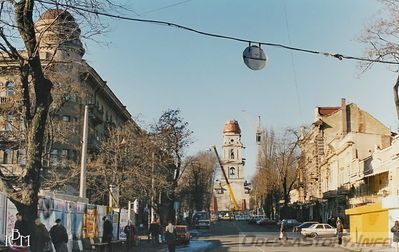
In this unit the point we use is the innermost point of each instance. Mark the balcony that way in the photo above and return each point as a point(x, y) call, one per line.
point(93, 142)
point(365, 199)
point(95, 115)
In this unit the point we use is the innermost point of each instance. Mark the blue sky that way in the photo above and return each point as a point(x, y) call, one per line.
point(152, 68)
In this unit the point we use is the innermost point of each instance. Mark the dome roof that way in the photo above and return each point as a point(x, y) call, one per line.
point(57, 14)
point(232, 127)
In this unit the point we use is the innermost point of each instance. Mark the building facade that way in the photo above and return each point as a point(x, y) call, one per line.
point(76, 84)
point(335, 149)
point(233, 164)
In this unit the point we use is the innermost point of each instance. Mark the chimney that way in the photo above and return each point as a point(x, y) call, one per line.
point(344, 118)
point(302, 132)
point(316, 114)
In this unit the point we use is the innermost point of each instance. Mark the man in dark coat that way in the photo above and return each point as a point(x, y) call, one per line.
point(22, 227)
point(107, 230)
point(40, 237)
point(59, 236)
point(130, 232)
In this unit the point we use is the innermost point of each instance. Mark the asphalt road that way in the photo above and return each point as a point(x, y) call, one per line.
point(240, 236)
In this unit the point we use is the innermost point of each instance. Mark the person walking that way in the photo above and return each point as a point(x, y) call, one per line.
point(59, 236)
point(170, 235)
point(107, 230)
point(395, 231)
point(154, 232)
point(340, 231)
point(22, 228)
point(283, 230)
point(130, 232)
point(40, 238)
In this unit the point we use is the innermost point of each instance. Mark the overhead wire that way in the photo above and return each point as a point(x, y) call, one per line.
point(221, 36)
point(165, 7)
point(292, 61)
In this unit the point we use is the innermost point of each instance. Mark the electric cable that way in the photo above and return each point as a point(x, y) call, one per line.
point(159, 22)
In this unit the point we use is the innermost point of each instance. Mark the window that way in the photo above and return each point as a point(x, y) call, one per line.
point(9, 88)
point(66, 118)
point(10, 117)
point(54, 157)
point(22, 156)
point(232, 154)
point(232, 172)
point(319, 227)
point(7, 156)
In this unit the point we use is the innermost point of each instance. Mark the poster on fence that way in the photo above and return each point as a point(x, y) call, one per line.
point(46, 211)
point(11, 216)
point(122, 224)
point(102, 211)
point(90, 222)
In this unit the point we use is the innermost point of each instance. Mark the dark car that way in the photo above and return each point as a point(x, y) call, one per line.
point(290, 223)
point(304, 225)
point(182, 234)
point(255, 219)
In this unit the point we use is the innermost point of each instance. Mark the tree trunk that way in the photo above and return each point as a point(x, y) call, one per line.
point(395, 96)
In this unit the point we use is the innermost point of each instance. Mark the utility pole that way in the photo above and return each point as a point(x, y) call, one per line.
point(152, 187)
point(83, 160)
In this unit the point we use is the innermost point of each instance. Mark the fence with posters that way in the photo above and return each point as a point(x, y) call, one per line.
point(82, 220)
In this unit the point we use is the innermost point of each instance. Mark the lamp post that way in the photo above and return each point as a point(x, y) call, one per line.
point(83, 163)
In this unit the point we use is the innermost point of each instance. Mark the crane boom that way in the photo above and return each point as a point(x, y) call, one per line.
point(227, 181)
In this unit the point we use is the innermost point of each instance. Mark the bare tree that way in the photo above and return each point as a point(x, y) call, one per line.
point(381, 39)
point(278, 166)
point(21, 49)
point(172, 136)
point(195, 185)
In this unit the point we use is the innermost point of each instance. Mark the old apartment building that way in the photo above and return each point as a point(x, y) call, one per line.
point(76, 84)
point(337, 148)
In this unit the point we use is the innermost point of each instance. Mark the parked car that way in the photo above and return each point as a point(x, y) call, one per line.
point(320, 229)
point(266, 221)
point(304, 225)
point(253, 219)
point(289, 223)
point(182, 234)
point(241, 217)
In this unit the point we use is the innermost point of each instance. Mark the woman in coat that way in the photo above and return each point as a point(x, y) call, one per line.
point(40, 237)
point(395, 231)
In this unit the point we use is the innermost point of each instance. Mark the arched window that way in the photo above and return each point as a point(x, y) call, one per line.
point(232, 154)
point(232, 172)
point(9, 88)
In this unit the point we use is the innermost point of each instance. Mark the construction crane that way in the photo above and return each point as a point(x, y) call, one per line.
point(227, 181)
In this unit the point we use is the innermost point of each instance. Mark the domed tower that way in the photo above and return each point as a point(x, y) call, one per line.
point(58, 36)
point(233, 165)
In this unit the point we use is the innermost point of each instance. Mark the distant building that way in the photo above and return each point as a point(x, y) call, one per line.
point(60, 48)
point(233, 165)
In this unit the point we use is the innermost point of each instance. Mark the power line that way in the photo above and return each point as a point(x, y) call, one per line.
point(166, 7)
point(159, 22)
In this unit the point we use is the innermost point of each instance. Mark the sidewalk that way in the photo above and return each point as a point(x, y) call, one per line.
point(146, 245)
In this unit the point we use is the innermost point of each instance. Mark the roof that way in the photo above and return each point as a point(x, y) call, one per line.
point(232, 127)
point(327, 110)
point(56, 14)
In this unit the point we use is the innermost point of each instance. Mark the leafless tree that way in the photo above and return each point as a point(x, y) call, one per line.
point(20, 48)
point(278, 166)
point(381, 38)
point(196, 182)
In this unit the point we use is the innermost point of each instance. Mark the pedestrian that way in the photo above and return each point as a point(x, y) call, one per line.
point(21, 227)
point(340, 231)
point(170, 235)
point(107, 230)
point(130, 232)
point(283, 230)
point(395, 231)
point(59, 236)
point(40, 238)
point(154, 232)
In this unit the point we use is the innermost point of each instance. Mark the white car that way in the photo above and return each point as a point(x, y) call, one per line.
point(320, 229)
